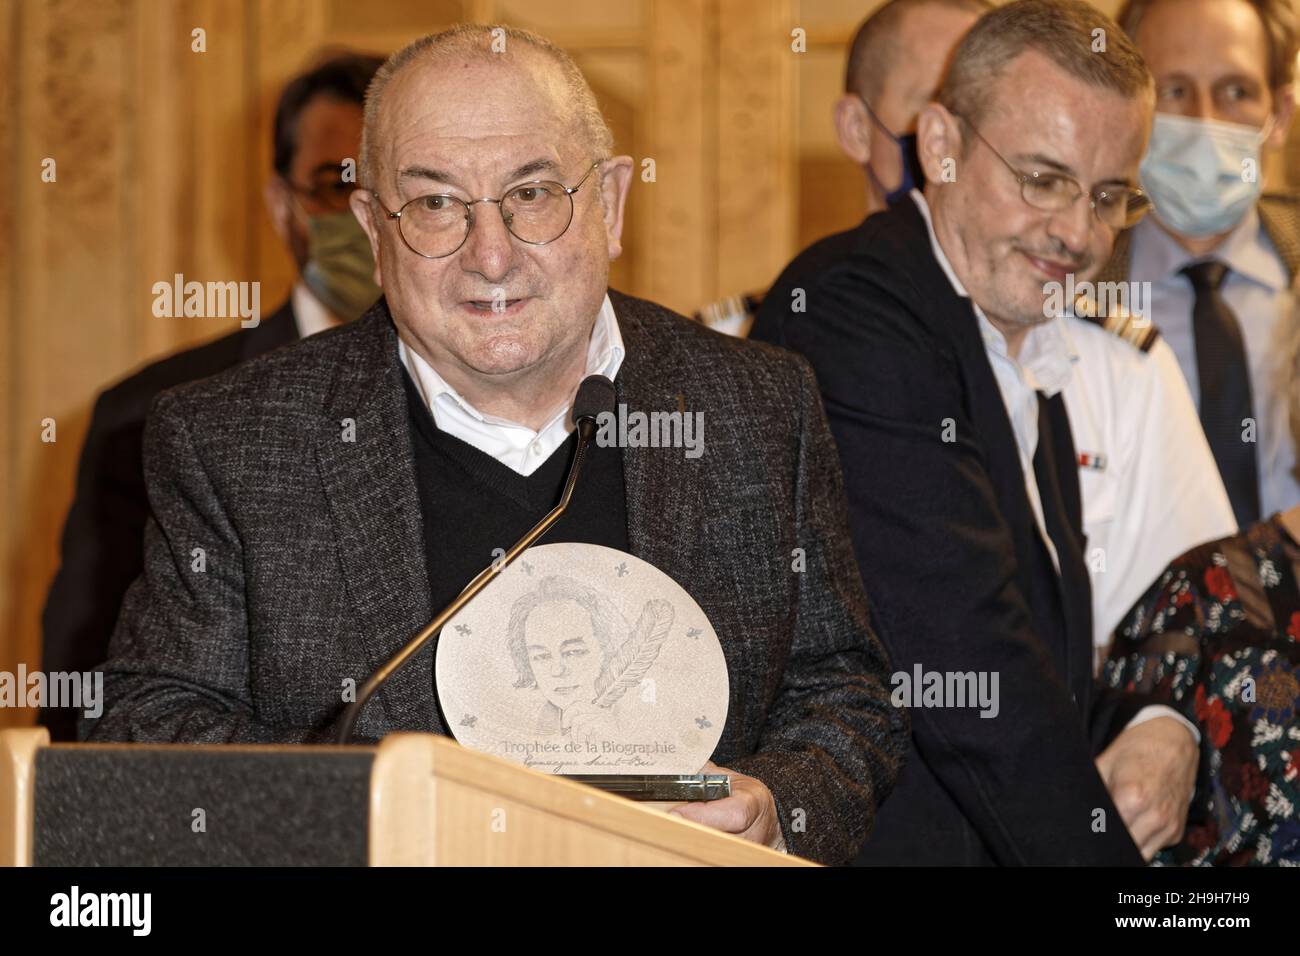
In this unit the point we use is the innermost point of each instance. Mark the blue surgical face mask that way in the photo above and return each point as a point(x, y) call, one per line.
point(909, 157)
point(913, 175)
point(1203, 176)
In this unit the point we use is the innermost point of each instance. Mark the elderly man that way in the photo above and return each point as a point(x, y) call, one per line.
point(335, 495)
point(943, 376)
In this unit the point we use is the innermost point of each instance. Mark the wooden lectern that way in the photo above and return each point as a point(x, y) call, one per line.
point(413, 800)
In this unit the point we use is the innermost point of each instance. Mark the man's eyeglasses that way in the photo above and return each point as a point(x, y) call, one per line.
point(1119, 207)
point(436, 225)
point(330, 191)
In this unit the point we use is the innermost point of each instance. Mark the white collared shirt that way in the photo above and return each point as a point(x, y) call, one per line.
point(1159, 493)
point(517, 446)
point(309, 313)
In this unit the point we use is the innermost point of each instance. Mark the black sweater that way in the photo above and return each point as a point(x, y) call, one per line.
point(472, 504)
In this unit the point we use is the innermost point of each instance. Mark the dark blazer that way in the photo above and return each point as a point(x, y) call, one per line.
point(102, 551)
point(315, 561)
point(952, 560)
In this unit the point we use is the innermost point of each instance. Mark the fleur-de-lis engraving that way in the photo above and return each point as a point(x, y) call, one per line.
point(468, 720)
point(528, 568)
point(693, 632)
point(621, 568)
point(462, 629)
point(703, 722)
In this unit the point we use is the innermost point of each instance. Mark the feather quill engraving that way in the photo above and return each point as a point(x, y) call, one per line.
point(636, 655)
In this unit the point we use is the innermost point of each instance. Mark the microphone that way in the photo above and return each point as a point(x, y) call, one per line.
point(595, 395)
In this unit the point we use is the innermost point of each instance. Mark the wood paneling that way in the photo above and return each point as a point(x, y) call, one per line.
point(65, 322)
point(676, 264)
point(756, 168)
point(13, 646)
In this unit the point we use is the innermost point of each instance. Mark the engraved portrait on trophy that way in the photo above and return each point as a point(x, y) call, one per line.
point(582, 659)
point(573, 644)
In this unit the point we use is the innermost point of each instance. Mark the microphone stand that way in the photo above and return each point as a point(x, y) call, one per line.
point(586, 427)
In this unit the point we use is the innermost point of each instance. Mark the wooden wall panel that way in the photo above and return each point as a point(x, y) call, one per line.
point(226, 168)
point(162, 174)
point(71, 79)
point(756, 169)
point(284, 36)
point(676, 259)
point(13, 646)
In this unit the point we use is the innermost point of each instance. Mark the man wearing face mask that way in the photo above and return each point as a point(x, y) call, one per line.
point(895, 62)
point(1222, 258)
point(308, 196)
point(317, 127)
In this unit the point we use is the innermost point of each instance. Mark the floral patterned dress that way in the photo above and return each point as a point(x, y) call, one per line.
point(1218, 638)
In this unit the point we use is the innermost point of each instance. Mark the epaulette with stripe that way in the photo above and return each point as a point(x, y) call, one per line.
point(1139, 332)
point(732, 316)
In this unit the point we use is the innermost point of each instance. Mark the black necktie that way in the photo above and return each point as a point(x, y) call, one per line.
point(1225, 388)
point(1057, 476)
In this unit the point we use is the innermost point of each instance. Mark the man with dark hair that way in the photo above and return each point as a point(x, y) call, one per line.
point(562, 642)
point(944, 370)
point(550, 591)
point(317, 119)
point(317, 130)
point(1221, 258)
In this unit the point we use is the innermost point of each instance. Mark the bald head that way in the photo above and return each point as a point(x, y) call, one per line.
point(879, 48)
point(506, 56)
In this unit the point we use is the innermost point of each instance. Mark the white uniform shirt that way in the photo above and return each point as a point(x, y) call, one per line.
point(517, 446)
point(1150, 488)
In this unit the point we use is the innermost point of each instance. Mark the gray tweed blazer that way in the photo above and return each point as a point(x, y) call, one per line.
point(314, 564)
